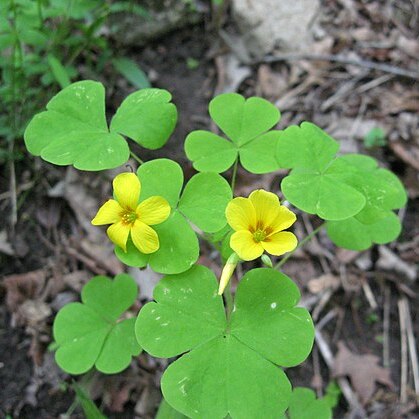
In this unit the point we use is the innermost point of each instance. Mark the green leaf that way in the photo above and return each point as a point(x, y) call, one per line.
point(89, 333)
point(305, 146)
point(259, 156)
point(132, 72)
point(243, 120)
point(210, 152)
point(382, 189)
point(326, 193)
point(376, 137)
point(178, 251)
point(58, 71)
point(204, 201)
point(304, 405)
point(187, 311)
point(167, 412)
point(246, 123)
point(354, 235)
point(147, 117)
point(161, 177)
point(266, 320)
point(73, 130)
point(230, 369)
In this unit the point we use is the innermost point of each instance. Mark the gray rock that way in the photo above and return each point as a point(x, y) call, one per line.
point(270, 24)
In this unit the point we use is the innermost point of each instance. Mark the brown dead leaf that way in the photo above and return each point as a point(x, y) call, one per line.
point(270, 84)
point(22, 287)
point(323, 282)
point(48, 213)
point(363, 371)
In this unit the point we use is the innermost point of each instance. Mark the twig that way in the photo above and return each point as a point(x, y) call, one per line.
point(386, 68)
point(369, 295)
point(412, 345)
point(403, 350)
point(386, 327)
point(343, 382)
point(322, 303)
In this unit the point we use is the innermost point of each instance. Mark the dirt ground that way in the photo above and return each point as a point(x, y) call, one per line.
point(360, 299)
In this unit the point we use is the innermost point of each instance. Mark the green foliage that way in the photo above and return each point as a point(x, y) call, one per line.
point(376, 137)
point(203, 202)
point(90, 410)
point(304, 405)
point(73, 129)
point(167, 412)
point(132, 72)
point(246, 123)
point(91, 333)
point(232, 365)
point(351, 192)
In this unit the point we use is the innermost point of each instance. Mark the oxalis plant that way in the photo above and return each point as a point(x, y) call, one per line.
point(228, 351)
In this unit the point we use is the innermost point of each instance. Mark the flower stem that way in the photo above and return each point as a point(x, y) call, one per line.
point(135, 157)
point(234, 175)
point(300, 244)
point(228, 297)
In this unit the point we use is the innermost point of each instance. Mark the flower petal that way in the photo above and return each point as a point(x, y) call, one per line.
point(243, 244)
point(284, 219)
point(153, 210)
point(109, 213)
point(241, 214)
point(127, 187)
point(145, 239)
point(266, 207)
point(118, 233)
point(280, 243)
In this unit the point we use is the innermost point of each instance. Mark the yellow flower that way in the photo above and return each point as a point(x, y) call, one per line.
point(128, 217)
point(258, 222)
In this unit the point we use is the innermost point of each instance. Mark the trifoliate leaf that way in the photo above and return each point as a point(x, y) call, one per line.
point(354, 235)
point(146, 116)
point(89, 333)
point(231, 368)
point(305, 405)
point(73, 129)
point(326, 193)
point(382, 189)
point(245, 123)
point(204, 201)
point(305, 146)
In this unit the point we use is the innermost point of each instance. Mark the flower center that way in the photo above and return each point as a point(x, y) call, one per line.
point(128, 217)
point(259, 235)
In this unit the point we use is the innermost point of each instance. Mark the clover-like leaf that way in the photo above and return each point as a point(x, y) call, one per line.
point(204, 201)
point(305, 146)
point(73, 129)
point(354, 235)
point(231, 369)
point(305, 405)
point(382, 189)
point(146, 116)
point(245, 123)
point(325, 193)
point(90, 333)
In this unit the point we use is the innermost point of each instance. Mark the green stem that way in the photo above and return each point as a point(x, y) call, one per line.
point(234, 175)
point(135, 157)
point(228, 296)
point(300, 244)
